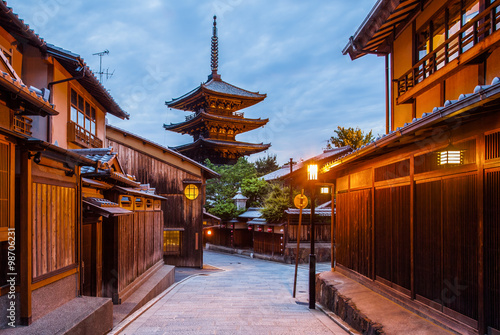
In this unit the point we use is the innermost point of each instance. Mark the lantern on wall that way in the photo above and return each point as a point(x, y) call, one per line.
point(450, 156)
point(312, 172)
point(191, 191)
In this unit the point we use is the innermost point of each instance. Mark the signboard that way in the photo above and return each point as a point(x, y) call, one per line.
point(300, 201)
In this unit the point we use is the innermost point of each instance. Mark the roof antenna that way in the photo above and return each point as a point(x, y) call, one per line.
point(215, 53)
point(101, 72)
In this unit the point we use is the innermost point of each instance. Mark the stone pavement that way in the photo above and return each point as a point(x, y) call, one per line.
point(249, 297)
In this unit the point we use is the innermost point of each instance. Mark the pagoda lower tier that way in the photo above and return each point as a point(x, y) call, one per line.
point(215, 126)
point(219, 151)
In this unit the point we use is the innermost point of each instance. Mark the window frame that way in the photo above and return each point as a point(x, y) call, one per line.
point(82, 111)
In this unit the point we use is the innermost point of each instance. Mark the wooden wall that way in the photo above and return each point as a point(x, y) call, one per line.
point(267, 243)
point(132, 244)
point(178, 211)
point(322, 228)
point(54, 232)
point(430, 232)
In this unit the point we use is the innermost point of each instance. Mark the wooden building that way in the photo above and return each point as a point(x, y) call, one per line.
point(59, 222)
point(215, 120)
point(417, 209)
point(174, 176)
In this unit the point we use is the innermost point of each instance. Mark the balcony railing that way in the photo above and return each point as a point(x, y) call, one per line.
point(22, 124)
point(80, 135)
point(482, 25)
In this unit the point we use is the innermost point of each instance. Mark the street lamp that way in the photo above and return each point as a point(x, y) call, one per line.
point(312, 176)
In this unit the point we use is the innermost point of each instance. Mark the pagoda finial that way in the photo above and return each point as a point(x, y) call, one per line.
point(215, 51)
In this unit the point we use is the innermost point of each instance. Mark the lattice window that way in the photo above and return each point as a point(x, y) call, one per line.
point(394, 170)
point(492, 145)
point(172, 242)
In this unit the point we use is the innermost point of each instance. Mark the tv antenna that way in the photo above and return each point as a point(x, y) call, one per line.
point(101, 73)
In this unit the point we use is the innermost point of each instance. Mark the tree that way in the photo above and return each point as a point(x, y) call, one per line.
point(255, 189)
point(355, 138)
point(266, 165)
point(276, 204)
point(220, 192)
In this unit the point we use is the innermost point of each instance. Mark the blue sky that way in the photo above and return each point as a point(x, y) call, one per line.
point(289, 49)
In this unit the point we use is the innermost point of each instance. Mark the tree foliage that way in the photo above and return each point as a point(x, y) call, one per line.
point(355, 138)
point(220, 191)
point(266, 165)
point(276, 204)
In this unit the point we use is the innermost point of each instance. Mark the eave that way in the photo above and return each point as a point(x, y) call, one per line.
point(233, 146)
point(380, 26)
point(202, 118)
point(71, 62)
point(485, 98)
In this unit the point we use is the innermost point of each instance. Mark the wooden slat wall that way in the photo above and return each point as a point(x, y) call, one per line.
point(54, 234)
point(383, 234)
point(492, 248)
point(140, 244)
point(178, 211)
point(322, 228)
point(428, 240)
point(5, 176)
point(460, 229)
point(354, 235)
point(263, 243)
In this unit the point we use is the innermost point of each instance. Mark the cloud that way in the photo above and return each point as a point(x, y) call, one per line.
point(290, 50)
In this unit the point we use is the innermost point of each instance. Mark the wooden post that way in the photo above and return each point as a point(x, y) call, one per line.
point(387, 92)
point(480, 233)
point(412, 225)
point(298, 249)
point(334, 231)
point(26, 222)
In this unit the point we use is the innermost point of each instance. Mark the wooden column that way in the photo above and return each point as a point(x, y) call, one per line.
point(26, 221)
point(480, 232)
point(412, 225)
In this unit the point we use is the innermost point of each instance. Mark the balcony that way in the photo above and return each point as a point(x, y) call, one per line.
point(22, 124)
point(83, 137)
point(476, 31)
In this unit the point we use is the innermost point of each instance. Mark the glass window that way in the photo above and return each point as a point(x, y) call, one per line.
point(74, 114)
point(172, 242)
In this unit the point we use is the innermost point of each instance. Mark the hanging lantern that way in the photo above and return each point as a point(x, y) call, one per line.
point(450, 156)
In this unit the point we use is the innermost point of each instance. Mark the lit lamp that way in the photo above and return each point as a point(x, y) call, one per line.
point(312, 176)
point(450, 156)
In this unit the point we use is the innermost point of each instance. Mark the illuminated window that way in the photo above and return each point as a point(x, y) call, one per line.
point(83, 113)
point(157, 205)
point(172, 242)
point(149, 204)
point(191, 191)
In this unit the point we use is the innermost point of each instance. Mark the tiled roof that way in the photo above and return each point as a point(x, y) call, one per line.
point(219, 86)
point(451, 108)
point(171, 151)
point(104, 155)
point(209, 116)
point(285, 170)
point(222, 143)
point(251, 213)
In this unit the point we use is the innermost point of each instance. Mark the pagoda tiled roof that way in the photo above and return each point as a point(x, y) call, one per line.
point(200, 117)
point(211, 143)
point(219, 88)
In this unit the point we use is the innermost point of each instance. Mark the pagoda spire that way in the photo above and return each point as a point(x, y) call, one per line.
point(215, 53)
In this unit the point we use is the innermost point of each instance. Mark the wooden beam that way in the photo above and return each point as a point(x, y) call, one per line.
point(412, 226)
point(26, 221)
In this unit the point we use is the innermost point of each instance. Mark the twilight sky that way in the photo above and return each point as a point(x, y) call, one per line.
point(289, 49)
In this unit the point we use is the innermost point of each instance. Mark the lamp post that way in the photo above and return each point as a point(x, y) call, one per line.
point(312, 176)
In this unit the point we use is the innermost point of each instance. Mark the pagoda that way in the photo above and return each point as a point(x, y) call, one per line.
point(216, 118)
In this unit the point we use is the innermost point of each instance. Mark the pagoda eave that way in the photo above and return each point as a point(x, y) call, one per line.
point(202, 118)
point(243, 147)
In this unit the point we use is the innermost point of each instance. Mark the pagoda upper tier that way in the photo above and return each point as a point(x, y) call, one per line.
point(217, 97)
point(216, 119)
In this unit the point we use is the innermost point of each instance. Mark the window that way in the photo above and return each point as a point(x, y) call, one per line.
point(172, 242)
point(139, 204)
point(6, 185)
point(191, 192)
point(149, 204)
point(126, 202)
point(83, 113)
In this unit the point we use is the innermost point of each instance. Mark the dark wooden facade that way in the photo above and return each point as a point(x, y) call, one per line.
point(168, 172)
point(426, 230)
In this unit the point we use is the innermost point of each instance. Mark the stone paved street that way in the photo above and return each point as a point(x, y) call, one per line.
point(249, 297)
